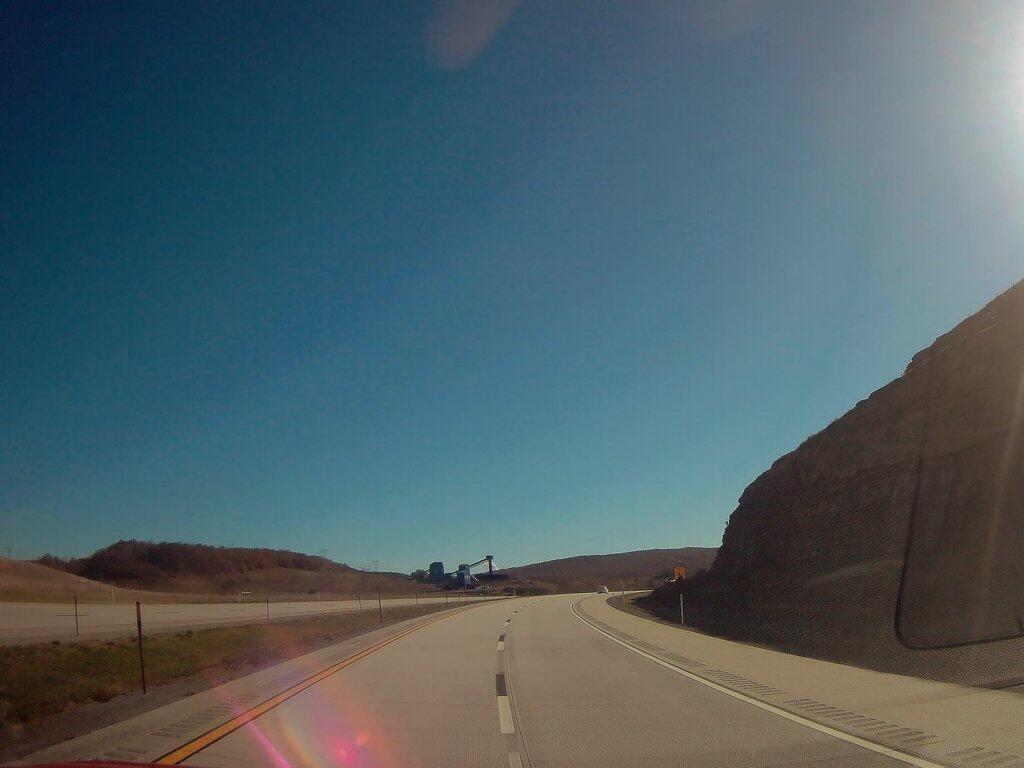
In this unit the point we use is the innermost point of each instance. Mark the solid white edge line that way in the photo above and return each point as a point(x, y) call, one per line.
point(514, 760)
point(820, 727)
point(505, 715)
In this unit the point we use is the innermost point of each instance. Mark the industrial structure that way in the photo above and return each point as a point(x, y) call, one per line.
point(463, 577)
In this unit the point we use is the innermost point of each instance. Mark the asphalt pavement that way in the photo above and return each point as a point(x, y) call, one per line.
point(37, 622)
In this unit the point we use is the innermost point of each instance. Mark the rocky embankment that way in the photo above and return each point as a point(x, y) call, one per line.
point(894, 537)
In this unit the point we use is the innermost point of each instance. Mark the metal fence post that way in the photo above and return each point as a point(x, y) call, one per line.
point(142, 658)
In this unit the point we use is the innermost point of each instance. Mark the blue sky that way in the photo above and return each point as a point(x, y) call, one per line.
point(435, 280)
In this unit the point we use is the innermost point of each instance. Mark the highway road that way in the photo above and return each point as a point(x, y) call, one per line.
point(34, 622)
point(564, 681)
point(520, 682)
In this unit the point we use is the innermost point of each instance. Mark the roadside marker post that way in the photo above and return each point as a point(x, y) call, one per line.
point(76, 615)
point(380, 606)
point(682, 616)
point(268, 607)
point(142, 658)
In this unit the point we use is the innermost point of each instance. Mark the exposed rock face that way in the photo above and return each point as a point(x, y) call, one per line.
point(899, 527)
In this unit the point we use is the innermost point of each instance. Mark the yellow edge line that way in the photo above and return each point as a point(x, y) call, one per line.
point(202, 742)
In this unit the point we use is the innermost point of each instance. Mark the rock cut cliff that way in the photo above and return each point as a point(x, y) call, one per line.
point(894, 537)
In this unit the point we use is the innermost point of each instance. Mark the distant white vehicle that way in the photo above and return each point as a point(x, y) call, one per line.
point(602, 590)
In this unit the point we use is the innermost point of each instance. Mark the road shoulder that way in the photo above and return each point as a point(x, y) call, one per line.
point(942, 723)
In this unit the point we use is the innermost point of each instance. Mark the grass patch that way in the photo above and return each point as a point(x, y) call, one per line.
point(41, 680)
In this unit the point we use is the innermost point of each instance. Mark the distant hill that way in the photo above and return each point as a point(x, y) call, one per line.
point(587, 572)
point(199, 569)
point(142, 561)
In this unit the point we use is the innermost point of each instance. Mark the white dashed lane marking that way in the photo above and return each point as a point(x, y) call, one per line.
point(504, 707)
